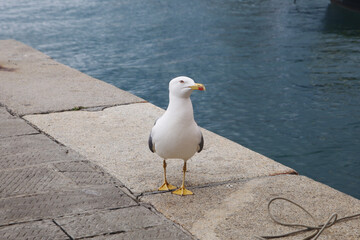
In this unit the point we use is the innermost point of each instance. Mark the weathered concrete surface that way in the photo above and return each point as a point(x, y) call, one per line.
point(11, 126)
point(33, 230)
point(27, 150)
point(153, 233)
point(53, 204)
point(239, 210)
point(116, 139)
point(47, 191)
point(31, 82)
point(111, 221)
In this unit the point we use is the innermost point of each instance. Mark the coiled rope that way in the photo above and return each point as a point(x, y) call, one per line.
point(317, 229)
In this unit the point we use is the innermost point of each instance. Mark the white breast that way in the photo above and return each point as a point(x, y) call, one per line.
point(174, 138)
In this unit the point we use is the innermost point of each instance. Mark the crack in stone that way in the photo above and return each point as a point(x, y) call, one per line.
point(62, 229)
point(78, 108)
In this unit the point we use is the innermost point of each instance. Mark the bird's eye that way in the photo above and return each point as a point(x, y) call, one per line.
point(181, 81)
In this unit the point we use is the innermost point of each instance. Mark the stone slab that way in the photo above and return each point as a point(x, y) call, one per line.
point(32, 231)
point(56, 204)
point(162, 232)
point(81, 173)
point(31, 180)
point(31, 82)
point(75, 166)
point(42, 182)
point(12, 126)
point(22, 151)
point(239, 210)
point(116, 139)
point(114, 221)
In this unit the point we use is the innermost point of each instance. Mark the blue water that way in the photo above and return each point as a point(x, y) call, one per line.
point(282, 79)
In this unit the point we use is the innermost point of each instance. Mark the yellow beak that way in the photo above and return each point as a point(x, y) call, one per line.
point(198, 86)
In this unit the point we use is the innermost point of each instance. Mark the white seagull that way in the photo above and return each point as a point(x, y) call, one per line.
point(176, 134)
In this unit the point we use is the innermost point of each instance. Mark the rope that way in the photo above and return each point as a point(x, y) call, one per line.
point(316, 230)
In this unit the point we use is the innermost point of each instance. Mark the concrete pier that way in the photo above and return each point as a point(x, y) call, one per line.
point(75, 173)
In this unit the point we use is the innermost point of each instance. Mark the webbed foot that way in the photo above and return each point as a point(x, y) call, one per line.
point(182, 191)
point(166, 187)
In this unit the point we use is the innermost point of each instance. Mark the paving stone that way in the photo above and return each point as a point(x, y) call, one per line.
point(125, 219)
point(239, 210)
point(12, 126)
point(55, 204)
point(116, 139)
point(28, 150)
point(75, 166)
point(89, 178)
point(31, 180)
point(162, 232)
point(4, 114)
point(32, 231)
point(15, 127)
point(38, 84)
point(82, 173)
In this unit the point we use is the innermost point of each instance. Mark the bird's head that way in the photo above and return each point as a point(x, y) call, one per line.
point(183, 87)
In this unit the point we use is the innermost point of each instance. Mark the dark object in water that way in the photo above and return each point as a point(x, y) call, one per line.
point(350, 4)
point(341, 20)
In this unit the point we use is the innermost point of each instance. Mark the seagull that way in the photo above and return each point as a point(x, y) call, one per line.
point(175, 135)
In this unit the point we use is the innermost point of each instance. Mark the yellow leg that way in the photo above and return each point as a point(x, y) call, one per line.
point(182, 190)
point(166, 186)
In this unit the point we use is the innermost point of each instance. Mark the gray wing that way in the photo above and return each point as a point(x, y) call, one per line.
point(150, 142)
point(201, 144)
point(151, 145)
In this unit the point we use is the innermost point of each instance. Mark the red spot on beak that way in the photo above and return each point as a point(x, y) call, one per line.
point(201, 88)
